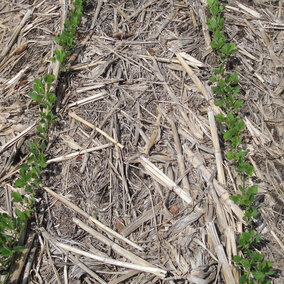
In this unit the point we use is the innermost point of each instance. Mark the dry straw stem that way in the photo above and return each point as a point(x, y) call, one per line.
point(152, 140)
point(84, 66)
point(17, 138)
point(147, 215)
point(157, 271)
point(159, 176)
point(85, 268)
point(218, 153)
point(226, 269)
point(90, 99)
point(194, 129)
point(19, 265)
point(95, 221)
point(75, 154)
point(180, 156)
point(75, 116)
point(221, 191)
point(75, 260)
point(118, 249)
point(122, 278)
point(97, 12)
point(14, 35)
point(196, 81)
point(189, 59)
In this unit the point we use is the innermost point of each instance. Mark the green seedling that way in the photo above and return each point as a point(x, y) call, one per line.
point(11, 227)
point(66, 39)
point(253, 267)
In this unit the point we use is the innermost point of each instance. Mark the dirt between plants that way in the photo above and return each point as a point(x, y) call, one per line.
point(137, 192)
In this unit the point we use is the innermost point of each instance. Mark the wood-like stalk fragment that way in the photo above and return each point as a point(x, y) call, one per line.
point(221, 191)
point(157, 271)
point(218, 153)
point(159, 176)
point(227, 272)
point(75, 154)
point(77, 117)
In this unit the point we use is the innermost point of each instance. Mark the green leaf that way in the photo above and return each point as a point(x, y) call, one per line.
point(37, 182)
point(237, 258)
point(228, 134)
point(230, 155)
point(17, 197)
point(49, 78)
point(22, 215)
point(257, 238)
point(219, 102)
point(39, 89)
point(220, 117)
point(221, 83)
point(234, 78)
point(23, 169)
point(245, 262)
point(236, 198)
point(259, 276)
point(213, 79)
point(29, 189)
point(243, 279)
point(38, 82)
point(51, 98)
point(36, 97)
point(217, 90)
point(20, 183)
point(40, 129)
point(238, 104)
point(211, 2)
point(5, 252)
point(18, 248)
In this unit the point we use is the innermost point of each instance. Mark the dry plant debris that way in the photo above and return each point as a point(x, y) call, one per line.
point(131, 192)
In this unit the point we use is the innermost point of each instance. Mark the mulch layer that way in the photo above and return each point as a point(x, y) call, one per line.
point(135, 191)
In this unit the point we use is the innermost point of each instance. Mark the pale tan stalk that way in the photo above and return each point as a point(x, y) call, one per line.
point(226, 269)
point(159, 176)
point(157, 271)
point(218, 153)
point(77, 117)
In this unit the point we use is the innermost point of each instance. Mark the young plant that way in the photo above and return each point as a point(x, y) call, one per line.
point(11, 227)
point(253, 267)
point(66, 39)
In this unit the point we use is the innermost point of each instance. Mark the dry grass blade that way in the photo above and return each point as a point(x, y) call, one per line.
point(75, 154)
point(17, 138)
point(137, 83)
point(218, 153)
point(75, 116)
point(89, 99)
point(14, 35)
point(159, 176)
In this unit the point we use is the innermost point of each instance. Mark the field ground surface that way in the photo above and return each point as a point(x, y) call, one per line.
point(132, 193)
